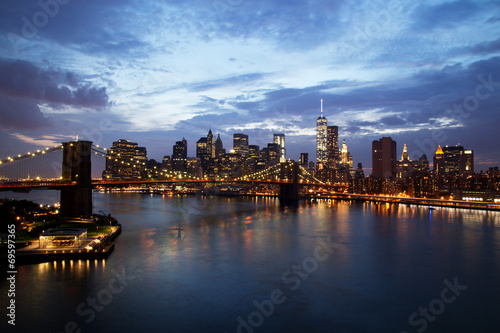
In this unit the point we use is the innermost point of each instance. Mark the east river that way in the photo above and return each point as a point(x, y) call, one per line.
point(216, 264)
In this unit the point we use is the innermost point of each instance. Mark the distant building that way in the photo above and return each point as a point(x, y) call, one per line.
point(304, 160)
point(404, 167)
point(311, 166)
point(414, 177)
point(359, 180)
point(125, 160)
point(230, 166)
point(332, 147)
point(274, 153)
point(423, 164)
point(240, 144)
point(384, 158)
point(453, 160)
point(193, 167)
point(166, 164)
point(344, 171)
point(219, 149)
point(253, 151)
point(279, 139)
point(179, 156)
point(203, 152)
point(439, 161)
point(346, 158)
point(264, 155)
point(210, 145)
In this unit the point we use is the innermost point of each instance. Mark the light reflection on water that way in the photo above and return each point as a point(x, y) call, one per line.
point(200, 263)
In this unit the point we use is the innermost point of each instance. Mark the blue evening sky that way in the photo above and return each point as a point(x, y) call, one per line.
point(423, 72)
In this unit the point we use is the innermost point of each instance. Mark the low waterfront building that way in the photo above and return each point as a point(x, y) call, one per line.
point(63, 237)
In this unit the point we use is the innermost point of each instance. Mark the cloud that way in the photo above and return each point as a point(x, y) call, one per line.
point(182, 66)
point(486, 47)
point(24, 86)
point(393, 121)
point(20, 113)
point(243, 79)
point(445, 15)
point(45, 140)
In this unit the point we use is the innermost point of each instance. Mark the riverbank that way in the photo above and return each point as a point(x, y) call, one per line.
point(411, 201)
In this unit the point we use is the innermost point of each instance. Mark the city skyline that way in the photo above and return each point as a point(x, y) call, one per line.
point(424, 74)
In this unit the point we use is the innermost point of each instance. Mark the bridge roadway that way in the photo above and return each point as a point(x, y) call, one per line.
point(98, 183)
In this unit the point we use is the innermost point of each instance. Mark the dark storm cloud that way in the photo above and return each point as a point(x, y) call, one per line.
point(23, 86)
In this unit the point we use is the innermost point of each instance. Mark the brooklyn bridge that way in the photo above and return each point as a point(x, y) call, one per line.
point(76, 180)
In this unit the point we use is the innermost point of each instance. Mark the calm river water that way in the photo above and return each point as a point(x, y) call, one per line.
point(248, 265)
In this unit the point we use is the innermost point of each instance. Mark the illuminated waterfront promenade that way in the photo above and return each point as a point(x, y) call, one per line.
point(411, 201)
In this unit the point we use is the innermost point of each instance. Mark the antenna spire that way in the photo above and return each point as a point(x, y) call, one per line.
point(322, 108)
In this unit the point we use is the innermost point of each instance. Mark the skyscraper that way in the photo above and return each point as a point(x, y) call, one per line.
point(253, 151)
point(210, 144)
point(280, 140)
point(179, 156)
point(468, 161)
point(240, 144)
point(346, 158)
point(274, 153)
point(219, 150)
point(321, 138)
point(359, 177)
point(202, 152)
point(304, 160)
point(405, 167)
point(439, 161)
point(384, 158)
point(453, 160)
point(332, 146)
point(125, 160)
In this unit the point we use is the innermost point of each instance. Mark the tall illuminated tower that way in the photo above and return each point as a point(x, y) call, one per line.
point(321, 138)
point(280, 140)
point(210, 144)
point(240, 144)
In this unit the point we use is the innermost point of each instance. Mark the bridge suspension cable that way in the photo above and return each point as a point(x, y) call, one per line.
point(42, 163)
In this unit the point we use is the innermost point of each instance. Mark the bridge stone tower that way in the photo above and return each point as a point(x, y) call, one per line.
point(76, 166)
point(289, 193)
